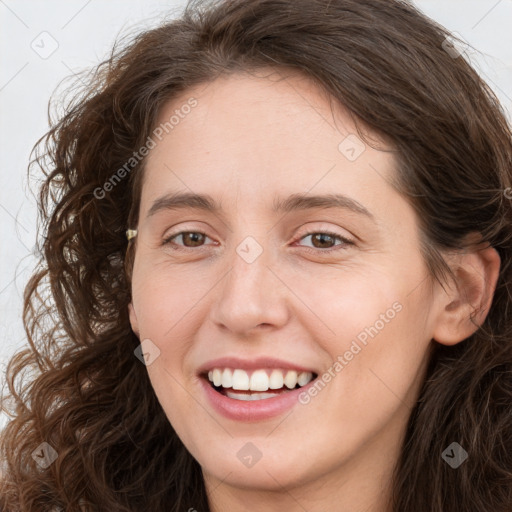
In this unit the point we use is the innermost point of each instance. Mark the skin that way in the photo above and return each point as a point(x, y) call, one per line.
point(252, 137)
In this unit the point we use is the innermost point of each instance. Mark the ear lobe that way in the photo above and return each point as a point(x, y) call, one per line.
point(465, 306)
point(133, 319)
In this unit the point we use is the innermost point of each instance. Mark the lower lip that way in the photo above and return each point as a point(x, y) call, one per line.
point(253, 410)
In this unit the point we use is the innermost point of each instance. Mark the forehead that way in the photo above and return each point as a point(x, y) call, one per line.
point(258, 137)
point(287, 102)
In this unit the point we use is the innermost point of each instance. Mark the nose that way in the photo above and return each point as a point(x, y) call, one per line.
point(251, 295)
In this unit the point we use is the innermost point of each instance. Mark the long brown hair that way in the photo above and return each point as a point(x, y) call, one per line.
point(90, 398)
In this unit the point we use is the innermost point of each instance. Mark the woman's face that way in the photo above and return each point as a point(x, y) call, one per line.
point(281, 278)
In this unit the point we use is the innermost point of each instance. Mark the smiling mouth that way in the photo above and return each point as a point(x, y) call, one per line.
point(257, 385)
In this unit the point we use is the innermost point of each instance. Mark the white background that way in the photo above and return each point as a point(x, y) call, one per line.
point(84, 32)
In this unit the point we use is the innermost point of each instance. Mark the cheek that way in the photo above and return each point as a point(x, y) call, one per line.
point(340, 304)
point(383, 363)
point(375, 331)
point(169, 310)
point(167, 299)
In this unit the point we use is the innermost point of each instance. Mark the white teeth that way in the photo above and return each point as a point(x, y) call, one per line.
point(276, 379)
point(227, 378)
point(252, 396)
point(217, 377)
point(240, 380)
point(304, 378)
point(259, 380)
point(290, 381)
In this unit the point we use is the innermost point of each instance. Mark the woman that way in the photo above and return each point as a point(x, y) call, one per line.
point(277, 246)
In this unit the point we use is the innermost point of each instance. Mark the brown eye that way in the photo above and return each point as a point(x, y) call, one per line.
point(189, 239)
point(192, 237)
point(324, 242)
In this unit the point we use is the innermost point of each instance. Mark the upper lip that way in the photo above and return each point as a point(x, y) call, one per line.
point(252, 364)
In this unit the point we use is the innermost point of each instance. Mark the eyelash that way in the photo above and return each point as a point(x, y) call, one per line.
point(345, 241)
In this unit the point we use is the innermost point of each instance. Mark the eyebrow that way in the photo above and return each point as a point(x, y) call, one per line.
point(294, 202)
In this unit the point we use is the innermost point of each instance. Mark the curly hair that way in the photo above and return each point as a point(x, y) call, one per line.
point(79, 387)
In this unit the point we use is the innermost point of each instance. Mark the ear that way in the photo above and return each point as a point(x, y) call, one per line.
point(466, 304)
point(133, 319)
